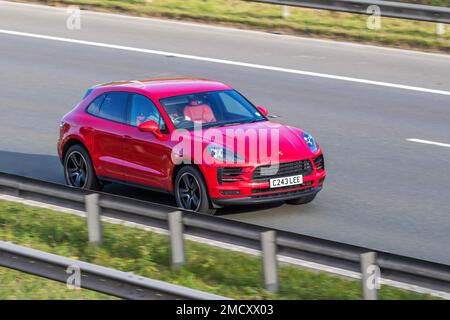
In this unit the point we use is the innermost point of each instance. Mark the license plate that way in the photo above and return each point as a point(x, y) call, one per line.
point(286, 181)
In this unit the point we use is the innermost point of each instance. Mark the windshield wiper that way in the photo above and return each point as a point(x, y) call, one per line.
point(255, 120)
point(220, 124)
point(226, 124)
point(231, 124)
point(243, 122)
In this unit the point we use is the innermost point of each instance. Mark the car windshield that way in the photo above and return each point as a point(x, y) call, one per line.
point(210, 109)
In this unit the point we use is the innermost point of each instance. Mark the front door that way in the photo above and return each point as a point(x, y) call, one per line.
point(150, 157)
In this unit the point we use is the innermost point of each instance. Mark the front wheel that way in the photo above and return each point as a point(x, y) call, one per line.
point(78, 169)
point(191, 192)
point(302, 200)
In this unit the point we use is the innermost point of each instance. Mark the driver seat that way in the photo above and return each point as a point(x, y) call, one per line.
point(199, 112)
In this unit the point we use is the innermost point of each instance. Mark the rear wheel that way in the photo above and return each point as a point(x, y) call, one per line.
point(302, 200)
point(191, 192)
point(78, 169)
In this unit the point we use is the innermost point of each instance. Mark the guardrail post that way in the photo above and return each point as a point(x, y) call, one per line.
point(370, 276)
point(176, 238)
point(269, 259)
point(93, 219)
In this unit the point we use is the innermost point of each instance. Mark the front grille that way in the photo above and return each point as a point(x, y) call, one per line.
point(288, 193)
point(261, 190)
point(303, 167)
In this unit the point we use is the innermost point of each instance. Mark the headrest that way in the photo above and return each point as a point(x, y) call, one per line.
point(195, 103)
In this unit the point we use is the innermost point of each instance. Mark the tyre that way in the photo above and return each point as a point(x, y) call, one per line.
point(191, 192)
point(78, 169)
point(302, 200)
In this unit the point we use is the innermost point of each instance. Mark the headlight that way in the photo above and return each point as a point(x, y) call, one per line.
point(310, 141)
point(223, 154)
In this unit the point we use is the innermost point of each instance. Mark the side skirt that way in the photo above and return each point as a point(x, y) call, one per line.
point(135, 185)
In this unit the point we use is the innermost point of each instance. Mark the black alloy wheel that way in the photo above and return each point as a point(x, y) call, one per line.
point(189, 192)
point(76, 170)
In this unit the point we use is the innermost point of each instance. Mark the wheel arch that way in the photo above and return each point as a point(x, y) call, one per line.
point(69, 143)
point(180, 166)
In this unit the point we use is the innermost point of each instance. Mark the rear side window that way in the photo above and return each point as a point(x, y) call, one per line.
point(94, 107)
point(111, 106)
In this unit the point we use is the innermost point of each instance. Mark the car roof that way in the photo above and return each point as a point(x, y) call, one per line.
point(167, 87)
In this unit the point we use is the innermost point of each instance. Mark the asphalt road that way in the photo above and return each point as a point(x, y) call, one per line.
point(381, 191)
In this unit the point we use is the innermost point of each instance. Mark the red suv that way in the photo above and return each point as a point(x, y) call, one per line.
point(197, 139)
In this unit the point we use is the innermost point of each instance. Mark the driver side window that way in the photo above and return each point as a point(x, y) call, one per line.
point(143, 109)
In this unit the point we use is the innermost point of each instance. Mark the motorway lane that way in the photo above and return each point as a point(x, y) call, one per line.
point(339, 58)
point(381, 192)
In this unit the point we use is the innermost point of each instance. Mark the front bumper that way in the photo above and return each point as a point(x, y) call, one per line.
point(242, 185)
point(266, 198)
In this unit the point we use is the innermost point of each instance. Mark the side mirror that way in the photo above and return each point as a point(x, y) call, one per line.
point(152, 127)
point(263, 110)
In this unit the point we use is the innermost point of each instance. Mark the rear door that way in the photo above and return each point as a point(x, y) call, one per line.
point(108, 134)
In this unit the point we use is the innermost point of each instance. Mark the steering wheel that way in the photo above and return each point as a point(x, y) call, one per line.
point(178, 119)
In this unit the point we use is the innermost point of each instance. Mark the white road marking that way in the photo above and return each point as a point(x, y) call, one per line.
point(340, 43)
point(223, 61)
point(429, 142)
point(232, 247)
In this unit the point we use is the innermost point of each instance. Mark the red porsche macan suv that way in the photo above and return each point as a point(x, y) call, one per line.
point(197, 139)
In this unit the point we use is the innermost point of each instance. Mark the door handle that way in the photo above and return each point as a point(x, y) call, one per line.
point(127, 137)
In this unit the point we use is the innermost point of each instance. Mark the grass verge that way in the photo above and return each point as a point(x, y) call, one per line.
point(266, 17)
point(16, 285)
point(145, 253)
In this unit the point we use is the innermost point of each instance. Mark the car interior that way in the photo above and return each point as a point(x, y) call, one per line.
point(202, 108)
